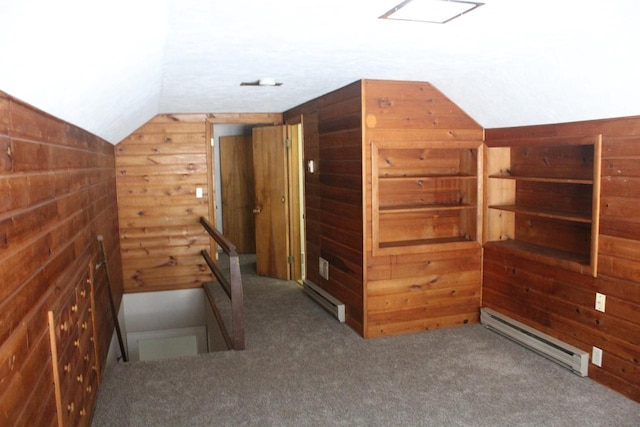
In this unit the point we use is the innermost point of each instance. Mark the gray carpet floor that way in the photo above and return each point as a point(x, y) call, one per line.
point(303, 368)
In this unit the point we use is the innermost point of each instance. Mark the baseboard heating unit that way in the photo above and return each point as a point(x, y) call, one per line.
point(562, 353)
point(326, 300)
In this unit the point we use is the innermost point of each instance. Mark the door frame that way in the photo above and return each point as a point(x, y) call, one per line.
point(295, 166)
point(230, 119)
point(272, 119)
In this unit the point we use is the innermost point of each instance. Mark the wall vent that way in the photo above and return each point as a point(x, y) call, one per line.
point(326, 300)
point(560, 352)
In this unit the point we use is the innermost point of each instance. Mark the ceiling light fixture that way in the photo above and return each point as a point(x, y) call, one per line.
point(432, 11)
point(265, 81)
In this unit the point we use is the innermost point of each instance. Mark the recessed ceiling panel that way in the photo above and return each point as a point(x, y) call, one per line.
point(432, 11)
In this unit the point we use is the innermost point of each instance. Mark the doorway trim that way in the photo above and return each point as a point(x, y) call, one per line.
point(231, 119)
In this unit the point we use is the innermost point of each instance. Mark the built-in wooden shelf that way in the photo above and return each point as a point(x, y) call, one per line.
point(544, 254)
point(425, 208)
point(421, 242)
point(544, 179)
point(546, 213)
point(425, 196)
point(418, 177)
point(542, 197)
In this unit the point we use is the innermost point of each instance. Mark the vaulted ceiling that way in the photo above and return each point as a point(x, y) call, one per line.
point(110, 66)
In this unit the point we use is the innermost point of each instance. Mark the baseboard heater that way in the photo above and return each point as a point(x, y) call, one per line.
point(326, 300)
point(562, 353)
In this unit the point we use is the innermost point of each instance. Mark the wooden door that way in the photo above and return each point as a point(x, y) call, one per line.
point(271, 210)
point(237, 191)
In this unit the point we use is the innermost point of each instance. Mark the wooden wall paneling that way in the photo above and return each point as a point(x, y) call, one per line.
point(312, 199)
point(425, 287)
point(560, 302)
point(58, 186)
point(159, 168)
point(333, 194)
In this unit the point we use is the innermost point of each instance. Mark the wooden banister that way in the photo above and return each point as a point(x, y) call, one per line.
point(228, 247)
point(231, 286)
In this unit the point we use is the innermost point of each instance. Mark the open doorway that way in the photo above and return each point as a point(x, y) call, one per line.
point(260, 196)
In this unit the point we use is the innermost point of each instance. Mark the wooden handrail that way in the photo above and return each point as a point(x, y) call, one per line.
point(228, 247)
point(232, 287)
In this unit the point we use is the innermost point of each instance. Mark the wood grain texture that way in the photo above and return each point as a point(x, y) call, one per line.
point(333, 195)
point(338, 129)
point(58, 193)
point(412, 130)
point(559, 301)
point(159, 168)
point(237, 192)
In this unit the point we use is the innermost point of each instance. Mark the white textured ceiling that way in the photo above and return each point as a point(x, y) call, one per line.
point(109, 66)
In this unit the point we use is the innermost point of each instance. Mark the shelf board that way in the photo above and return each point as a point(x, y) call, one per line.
point(569, 260)
point(421, 242)
point(544, 179)
point(414, 177)
point(545, 213)
point(424, 208)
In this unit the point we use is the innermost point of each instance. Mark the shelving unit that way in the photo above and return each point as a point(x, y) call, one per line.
point(424, 194)
point(542, 199)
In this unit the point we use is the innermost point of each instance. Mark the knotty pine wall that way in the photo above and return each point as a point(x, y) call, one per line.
point(57, 186)
point(560, 302)
point(338, 128)
point(332, 126)
point(158, 169)
point(406, 293)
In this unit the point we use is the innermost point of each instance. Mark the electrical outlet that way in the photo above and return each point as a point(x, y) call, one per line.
point(324, 268)
point(596, 356)
point(600, 301)
point(198, 193)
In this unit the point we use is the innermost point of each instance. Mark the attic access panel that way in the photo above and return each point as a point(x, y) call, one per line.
point(431, 11)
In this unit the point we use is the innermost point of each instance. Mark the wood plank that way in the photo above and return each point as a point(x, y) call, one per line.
point(141, 253)
point(151, 143)
point(19, 391)
point(171, 128)
point(621, 147)
point(161, 179)
point(425, 298)
point(350, 106)
point(421, 284)
point(386, 329)
point(436, 309)
point(620, 208)
point(617, 127)
point(160, 160)
point(246, 118)
point(184, 198)
point(199, 168)
point(621, 186)
point(437, 135)
point(5, 121)
point(166, 212)
point(563, 161)
point(167, 242)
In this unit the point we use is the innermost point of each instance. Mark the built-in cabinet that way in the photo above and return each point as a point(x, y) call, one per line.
point(424, 195)
point(394, 205)
point(542, 198)
point(423, 162)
